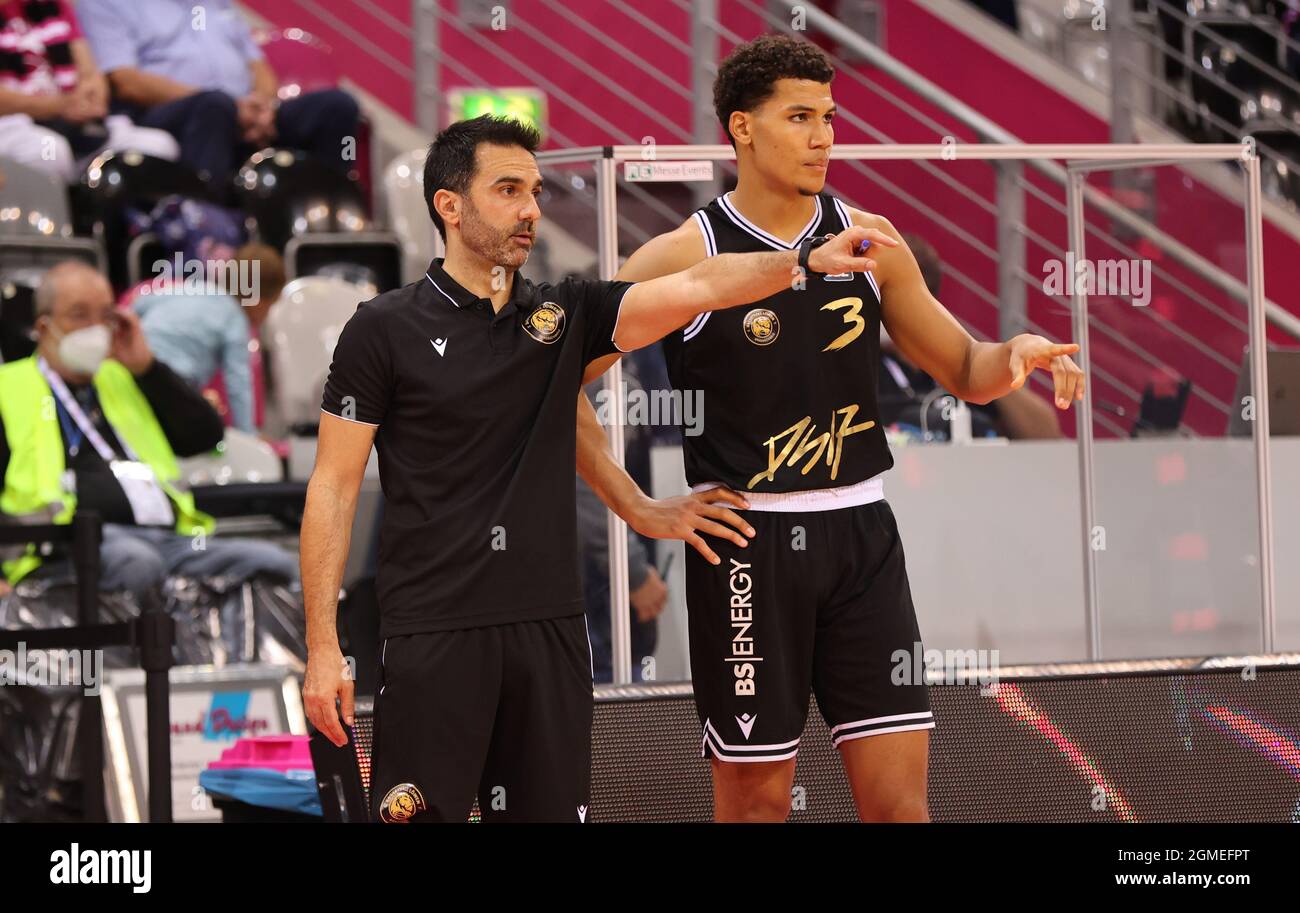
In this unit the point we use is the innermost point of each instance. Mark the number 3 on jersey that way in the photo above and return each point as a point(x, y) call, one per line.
point(852, 317)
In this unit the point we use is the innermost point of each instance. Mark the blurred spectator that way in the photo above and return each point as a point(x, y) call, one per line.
point(53, 97)
point(195, 71)
point(1020, 415)
point(94, 421)
point(197, 335)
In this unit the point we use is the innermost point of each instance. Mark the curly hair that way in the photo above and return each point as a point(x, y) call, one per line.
point(748, 76)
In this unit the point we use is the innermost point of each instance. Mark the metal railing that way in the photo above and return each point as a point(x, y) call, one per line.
point(989, 132)
point(152, 632)
point(701, 44)
point(1136, 51)
point(701, 49)
point(1083, 159)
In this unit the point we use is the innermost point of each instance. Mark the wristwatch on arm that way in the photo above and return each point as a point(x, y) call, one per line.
point(806, 248)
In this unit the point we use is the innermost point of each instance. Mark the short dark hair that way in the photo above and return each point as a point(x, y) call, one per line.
point(927, 258)
point(748, 76)
point(450, 163)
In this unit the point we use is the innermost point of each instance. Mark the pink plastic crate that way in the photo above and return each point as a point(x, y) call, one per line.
point(277, 752)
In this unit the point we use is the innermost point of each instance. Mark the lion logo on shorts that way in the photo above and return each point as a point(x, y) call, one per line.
point(401, 804)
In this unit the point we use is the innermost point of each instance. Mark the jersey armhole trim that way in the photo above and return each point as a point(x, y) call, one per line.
point(710, 250)
point(848, 223)
point(694, 327)
point(844, 213)
point(706, 231)
point(617, 317)
point(355, 421)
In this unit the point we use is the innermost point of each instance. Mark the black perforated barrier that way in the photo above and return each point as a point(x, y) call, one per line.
point(1142, 741)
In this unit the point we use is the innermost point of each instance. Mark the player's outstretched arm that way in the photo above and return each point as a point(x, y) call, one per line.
point(651, 309)
point(934, 341)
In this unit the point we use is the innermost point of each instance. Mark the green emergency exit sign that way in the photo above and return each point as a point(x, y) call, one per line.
point(524, 104)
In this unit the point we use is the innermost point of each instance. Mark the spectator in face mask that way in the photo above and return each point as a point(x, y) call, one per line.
point(94, 421)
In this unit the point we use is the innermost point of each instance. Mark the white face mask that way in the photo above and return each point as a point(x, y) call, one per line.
point(84, 350)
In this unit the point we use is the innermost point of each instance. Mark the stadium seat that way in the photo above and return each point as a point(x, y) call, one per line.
point(317, 216)
point(117, 181)
point(289, 193)
point(408, 216)
point(1216, 47)
point(35, 203)
point(17, 318)
point(240, 457)
point(1279, 179)
point(301, 332)
point(36, 225)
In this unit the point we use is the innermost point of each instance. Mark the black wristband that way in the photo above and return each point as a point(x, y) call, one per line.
point(805, 248)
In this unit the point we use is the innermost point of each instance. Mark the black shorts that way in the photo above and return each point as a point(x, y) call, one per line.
point(818, 601)
point(501, 712)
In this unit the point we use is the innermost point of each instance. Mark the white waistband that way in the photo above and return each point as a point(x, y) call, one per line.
point(864, 492)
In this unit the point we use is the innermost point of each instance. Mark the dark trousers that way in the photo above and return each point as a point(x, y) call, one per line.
point(206, 125)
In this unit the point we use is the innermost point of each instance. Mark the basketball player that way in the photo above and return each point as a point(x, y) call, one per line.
point(820, 598)
point(464, 383)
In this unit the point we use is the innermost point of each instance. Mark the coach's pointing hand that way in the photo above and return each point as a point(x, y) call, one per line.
point(686, 517)
point(328, 677)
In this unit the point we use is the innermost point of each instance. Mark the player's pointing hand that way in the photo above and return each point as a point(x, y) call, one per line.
point(1029, 352)
point(846, 252)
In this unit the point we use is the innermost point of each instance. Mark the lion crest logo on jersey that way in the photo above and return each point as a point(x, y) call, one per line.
point(762, 327)
point(401, 804)
point(545, 323)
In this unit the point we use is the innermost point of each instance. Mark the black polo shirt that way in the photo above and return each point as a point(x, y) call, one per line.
point(476, 443)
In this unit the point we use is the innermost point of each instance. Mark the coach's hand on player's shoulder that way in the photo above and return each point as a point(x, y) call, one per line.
point(686, 517)
point(1029, 351)
point(843, 252)
point(328, 677)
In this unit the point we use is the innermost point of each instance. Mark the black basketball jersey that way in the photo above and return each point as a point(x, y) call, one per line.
point(788, 384)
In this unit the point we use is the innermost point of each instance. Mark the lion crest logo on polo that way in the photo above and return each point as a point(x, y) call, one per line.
point(545, 323)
